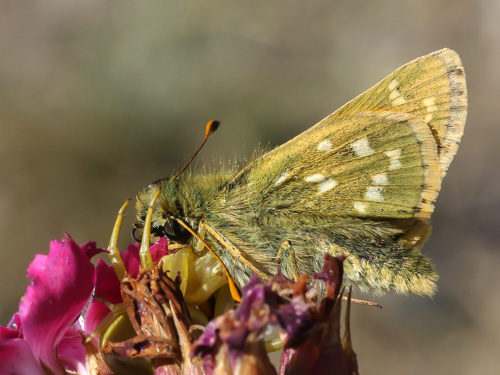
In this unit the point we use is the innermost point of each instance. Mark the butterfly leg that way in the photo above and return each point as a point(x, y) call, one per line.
point(233, 250)
point(286, 260)
point(114, 254)
point(199, 246)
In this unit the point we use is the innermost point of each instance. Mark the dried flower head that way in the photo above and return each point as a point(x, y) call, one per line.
point(142, 315)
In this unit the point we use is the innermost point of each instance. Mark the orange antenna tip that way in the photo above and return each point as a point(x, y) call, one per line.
point(212, 126)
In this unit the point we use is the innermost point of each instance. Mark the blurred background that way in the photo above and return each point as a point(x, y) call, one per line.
point(98, 99)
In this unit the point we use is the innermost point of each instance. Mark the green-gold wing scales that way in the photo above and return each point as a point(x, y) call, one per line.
point(361, 182)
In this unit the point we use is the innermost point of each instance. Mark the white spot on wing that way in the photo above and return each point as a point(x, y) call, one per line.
point(315, 178)
point(325, 145)
point(380, 179)
point(362, 147)
point(394, 156)
point(360, 207)
point(374, 193)
point(326, 185)
point(394, 83)
point(399, 101)
point(282, 178)
point(430, 104)
point(395, 95)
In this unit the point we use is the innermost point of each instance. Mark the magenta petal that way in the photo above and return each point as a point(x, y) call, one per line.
point(107, 288)
point(159, 249)
point(107, 285)
point(16, 358)
point(90, 249)
point(72, 353)
point(96, 312)
point(15, 322)
point(61, 285)
point(8, 333)
point(131, 259)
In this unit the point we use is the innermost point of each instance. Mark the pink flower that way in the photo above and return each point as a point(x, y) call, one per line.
point(40, 338)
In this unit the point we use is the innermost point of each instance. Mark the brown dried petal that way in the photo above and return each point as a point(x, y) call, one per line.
point(95, 363)
point(144, 346)
point(151, 299)
point(161, 320)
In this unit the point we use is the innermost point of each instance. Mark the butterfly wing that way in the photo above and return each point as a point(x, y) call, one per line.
point(360, 182)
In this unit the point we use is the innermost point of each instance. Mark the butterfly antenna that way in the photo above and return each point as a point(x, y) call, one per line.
point(212, 126)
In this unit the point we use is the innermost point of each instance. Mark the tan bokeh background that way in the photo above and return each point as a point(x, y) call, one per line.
point(97, 99)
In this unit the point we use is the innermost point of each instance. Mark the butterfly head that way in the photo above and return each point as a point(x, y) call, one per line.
point(169, 207)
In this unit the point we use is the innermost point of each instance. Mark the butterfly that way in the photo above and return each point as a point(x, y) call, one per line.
point(362, 182)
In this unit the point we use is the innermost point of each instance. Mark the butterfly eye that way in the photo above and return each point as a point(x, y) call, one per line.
point(175, 232)
point(137, 234)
